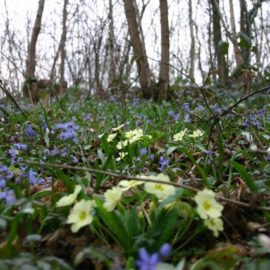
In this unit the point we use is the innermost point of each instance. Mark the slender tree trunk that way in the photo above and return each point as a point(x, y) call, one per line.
point(112, 64)
point(221, 62)
point(192, 41)
point(238, 57)
point(63, 45)
point(165, 51)
point(138, 48)
point(31, 57)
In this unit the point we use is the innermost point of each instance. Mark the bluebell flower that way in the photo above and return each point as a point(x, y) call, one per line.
point(88, 117)
point(187, 118)
point(21, 147)
point(29, 131)
point(151, 157)
point(32, 177)
point(186, 107)
point(143, 151)
point(171, 113)
point(163, 163)
point(7, 196)
point(2, 183)
point(52, 152)
point(147, 261)
point(68, 131)
point(165, 250)
point(5, 175)
point(44, 124)
point(176, 117)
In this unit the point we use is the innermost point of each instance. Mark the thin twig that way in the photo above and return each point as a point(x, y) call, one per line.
point(6, 91)
point(145, 179)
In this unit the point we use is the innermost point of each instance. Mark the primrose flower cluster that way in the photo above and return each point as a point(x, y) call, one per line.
point(131, 137)
point(178, 137)
point(82, 212)
point(80, 215)
point(209, 210)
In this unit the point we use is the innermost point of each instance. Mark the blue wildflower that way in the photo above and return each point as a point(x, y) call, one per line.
point(21, 147)
point(32, 177)
point(7, 196)
point(143, 151)
point(151, 157)
point(44, 124)
point(29, 131)
point(165, 250)
point(186, 107)
point(163, 163)
point(68, 131)
point(147, 261)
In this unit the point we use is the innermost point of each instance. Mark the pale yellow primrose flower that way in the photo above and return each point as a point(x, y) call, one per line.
point(121, 156)
point(208, 207)
point(120, 145)
point(111, 137)
point(197, 133)
point(134, 133)
point(112, 197)
point(125, 184)
point(215, 225)
point(69, 199)
point(179, 136)
point(80, 215)
point(160, 190)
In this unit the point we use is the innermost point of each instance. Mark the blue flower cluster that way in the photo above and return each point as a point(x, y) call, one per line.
point(14, 151)
point(7, 195)
point(163, 163)
point(68, 131)
point(148, 261)
point(186, 108)
point(31, 176)
point(253, 120)
point(29, 131)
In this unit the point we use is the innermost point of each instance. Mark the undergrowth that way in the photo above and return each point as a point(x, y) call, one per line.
point(136, 185)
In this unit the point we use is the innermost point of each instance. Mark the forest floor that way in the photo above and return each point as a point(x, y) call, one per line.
point(136, 184)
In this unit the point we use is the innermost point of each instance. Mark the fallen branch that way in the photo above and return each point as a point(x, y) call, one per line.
point(144, 179)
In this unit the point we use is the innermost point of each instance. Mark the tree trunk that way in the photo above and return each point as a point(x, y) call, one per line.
point(192, 41)
point(165, 51)
point(221, 62)
point(63, 45)
point(112, 64)
point(245, 28)
point(138, 48)
point(31, 57)
point(238, 57)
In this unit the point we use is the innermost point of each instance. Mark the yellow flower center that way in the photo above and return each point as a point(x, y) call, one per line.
point(83, 215)
point(206, 205)
point(159, 187)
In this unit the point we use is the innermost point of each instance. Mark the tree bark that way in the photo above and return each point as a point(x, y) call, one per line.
point(238, 57)
point(112, 64)
point(63, 44)
point(31, 57)
point(165, 51)
point(221, 62)
point(138, 48)
point(192, 41)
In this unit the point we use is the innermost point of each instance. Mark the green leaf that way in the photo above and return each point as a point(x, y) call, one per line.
point(245, 41)
point(244, 175)
point(223, 47)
